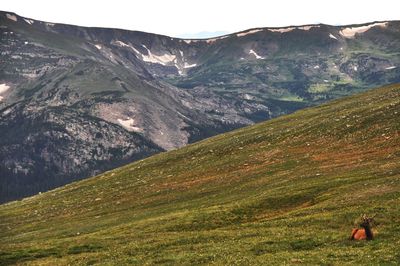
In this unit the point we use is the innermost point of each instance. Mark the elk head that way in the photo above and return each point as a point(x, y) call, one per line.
point(366, 222)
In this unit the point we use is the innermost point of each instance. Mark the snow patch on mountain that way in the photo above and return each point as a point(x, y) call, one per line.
point(308, 27)
point(3, 88)
point(11, 17)
point(255, 54)
point(248, 97)
point(186, 65)
point(351, 32)
point(166, 59)
point(158, 59)
point(283, 30)
point(122, 44)
point(29, 21)
point(332, 36)
point(129, 125)
point(248, 32)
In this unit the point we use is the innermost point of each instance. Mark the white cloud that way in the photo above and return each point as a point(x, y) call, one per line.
point(177, 17)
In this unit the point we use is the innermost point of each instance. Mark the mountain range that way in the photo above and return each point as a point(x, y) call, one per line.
point(78, 101)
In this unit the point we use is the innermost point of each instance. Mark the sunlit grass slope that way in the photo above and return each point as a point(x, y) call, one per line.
point(286, 191)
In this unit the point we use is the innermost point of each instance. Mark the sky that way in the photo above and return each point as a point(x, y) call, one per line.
point(203, 18)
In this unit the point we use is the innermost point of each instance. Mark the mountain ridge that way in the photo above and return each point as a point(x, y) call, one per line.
point(208, 38)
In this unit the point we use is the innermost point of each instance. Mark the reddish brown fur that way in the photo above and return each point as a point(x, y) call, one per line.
point(358, 234)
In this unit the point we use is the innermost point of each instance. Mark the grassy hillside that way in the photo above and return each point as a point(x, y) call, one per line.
point(286, 191)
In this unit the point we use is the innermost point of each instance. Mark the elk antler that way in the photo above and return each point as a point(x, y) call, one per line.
point(368, 219)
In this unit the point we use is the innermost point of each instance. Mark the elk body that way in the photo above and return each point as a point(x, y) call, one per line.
point(365, 233)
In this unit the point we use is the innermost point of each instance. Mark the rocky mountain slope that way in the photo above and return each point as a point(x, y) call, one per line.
point(75, 101)
point(285, 191)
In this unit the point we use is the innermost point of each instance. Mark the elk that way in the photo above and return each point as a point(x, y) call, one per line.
point(365, 233)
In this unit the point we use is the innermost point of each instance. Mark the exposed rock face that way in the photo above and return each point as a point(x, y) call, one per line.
point(48, 147)
point(75, 101)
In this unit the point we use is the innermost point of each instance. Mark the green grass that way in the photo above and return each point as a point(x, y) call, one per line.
point(286, 191)
point(319, 87)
